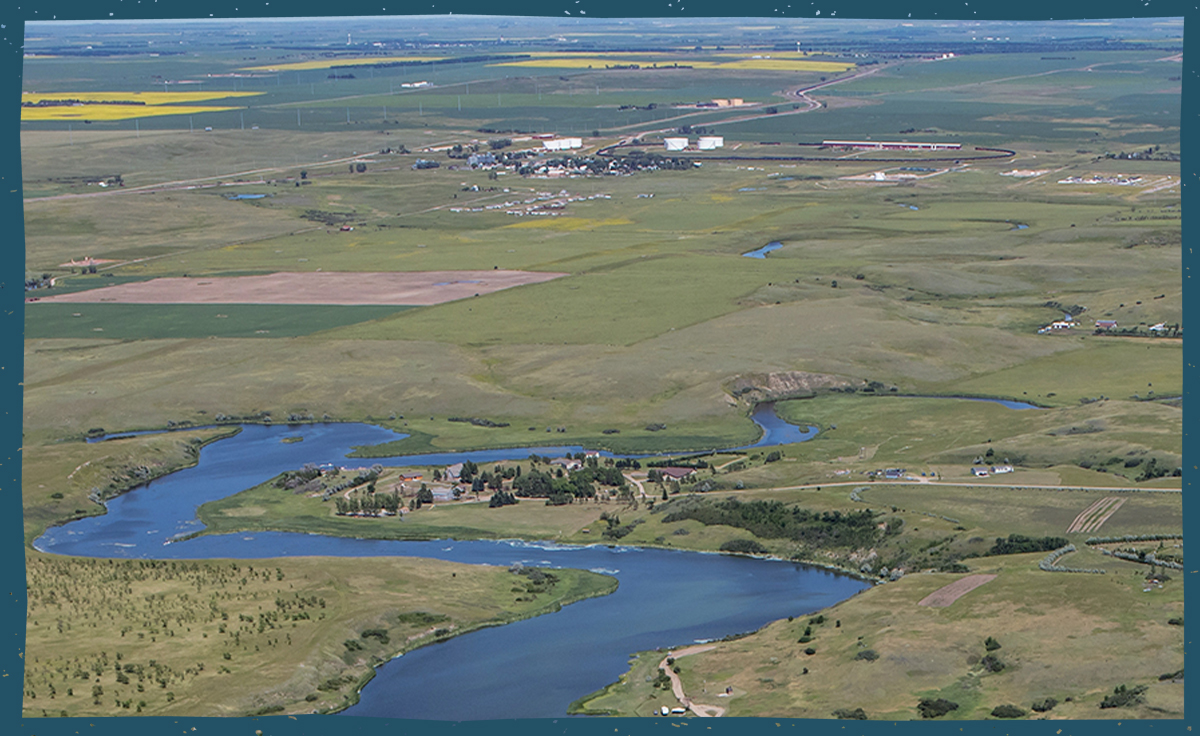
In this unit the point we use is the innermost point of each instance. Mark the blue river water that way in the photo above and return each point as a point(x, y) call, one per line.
point(665, 597)
point(763, 251)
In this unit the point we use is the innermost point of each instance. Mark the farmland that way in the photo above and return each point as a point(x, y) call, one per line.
point(252, 230)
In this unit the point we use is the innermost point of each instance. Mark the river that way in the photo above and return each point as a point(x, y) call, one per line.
point(529, 669)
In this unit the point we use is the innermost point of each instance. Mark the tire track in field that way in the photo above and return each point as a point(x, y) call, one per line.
point(1094, 516)
point(1099, 521)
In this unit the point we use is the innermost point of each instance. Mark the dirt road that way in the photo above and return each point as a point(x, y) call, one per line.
point(704, 711)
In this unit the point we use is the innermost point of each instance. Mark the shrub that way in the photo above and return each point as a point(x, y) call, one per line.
point(810, 651)
point(868, 655)
point(853, 715)
point(935, 708)
point(991, 644)
point(1007, 711)
point(991, 664)
point(1171, 676)
point(311, 697)
point(1178, 621)
point(380, 634)
point(1041, 706)
point(1123, 697)
point(745, 546)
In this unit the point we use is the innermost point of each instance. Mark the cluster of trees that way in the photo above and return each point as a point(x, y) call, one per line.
point(1123, 697)
point(935, 708)
point(683, 462)
point(1019, 543)
point(502, 498)
point(370, 504)
point(774, 520)
point(616, 530)
point(1152, 470)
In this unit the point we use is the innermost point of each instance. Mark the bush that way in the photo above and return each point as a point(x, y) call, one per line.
point(1123, 697)
point(867, 655)
point(935, 708)
point(991, 664)
point(853, 715)
point(991, 644)
point(810, 651)
point(744, 546)
point(1007, 711)
point(1041, 706)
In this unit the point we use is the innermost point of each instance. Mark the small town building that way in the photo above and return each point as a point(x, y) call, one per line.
point(980, 472)
point(1106, 324)
point(676, 473)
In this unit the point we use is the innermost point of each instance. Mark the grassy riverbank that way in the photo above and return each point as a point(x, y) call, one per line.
point(1073, 638)
point(219, 637)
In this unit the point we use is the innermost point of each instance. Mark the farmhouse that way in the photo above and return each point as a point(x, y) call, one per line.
point(998, 469)
point(452, 472)
point(1106, 324)
point(980, 472)
point(568, 463)
point(676, 473)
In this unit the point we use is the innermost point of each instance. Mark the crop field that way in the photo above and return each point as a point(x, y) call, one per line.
point(328, 231)
point(191, 321)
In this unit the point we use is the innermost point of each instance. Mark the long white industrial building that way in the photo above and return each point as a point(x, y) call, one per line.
point(675, 144)
point(562, 144)
point(710, 142)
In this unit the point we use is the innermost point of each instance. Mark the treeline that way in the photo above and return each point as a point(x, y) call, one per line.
point(774, 520)
point(371, 504)
point(1019, 543)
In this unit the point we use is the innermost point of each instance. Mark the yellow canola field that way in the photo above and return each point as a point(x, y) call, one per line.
point(299, 66)
point(156, 104)
point(150, 98)
point(113, 112)
point(777, 65)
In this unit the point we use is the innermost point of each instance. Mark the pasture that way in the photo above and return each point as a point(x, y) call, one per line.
point(653, 336)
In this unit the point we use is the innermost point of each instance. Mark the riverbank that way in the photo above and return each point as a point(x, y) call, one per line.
point(554, 607)
point(286, 635)
point(882, 651)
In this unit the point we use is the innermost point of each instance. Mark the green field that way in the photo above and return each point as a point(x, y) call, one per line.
point(190, 321)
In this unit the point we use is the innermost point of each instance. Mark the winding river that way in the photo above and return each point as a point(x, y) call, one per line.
point(529, 669)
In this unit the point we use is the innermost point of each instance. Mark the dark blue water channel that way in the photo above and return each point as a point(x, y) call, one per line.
point(529, 669)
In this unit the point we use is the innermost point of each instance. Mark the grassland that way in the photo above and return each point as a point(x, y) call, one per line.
point(1052, 627)
point(168, 321)
point(656, 321)
point(237, 638)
